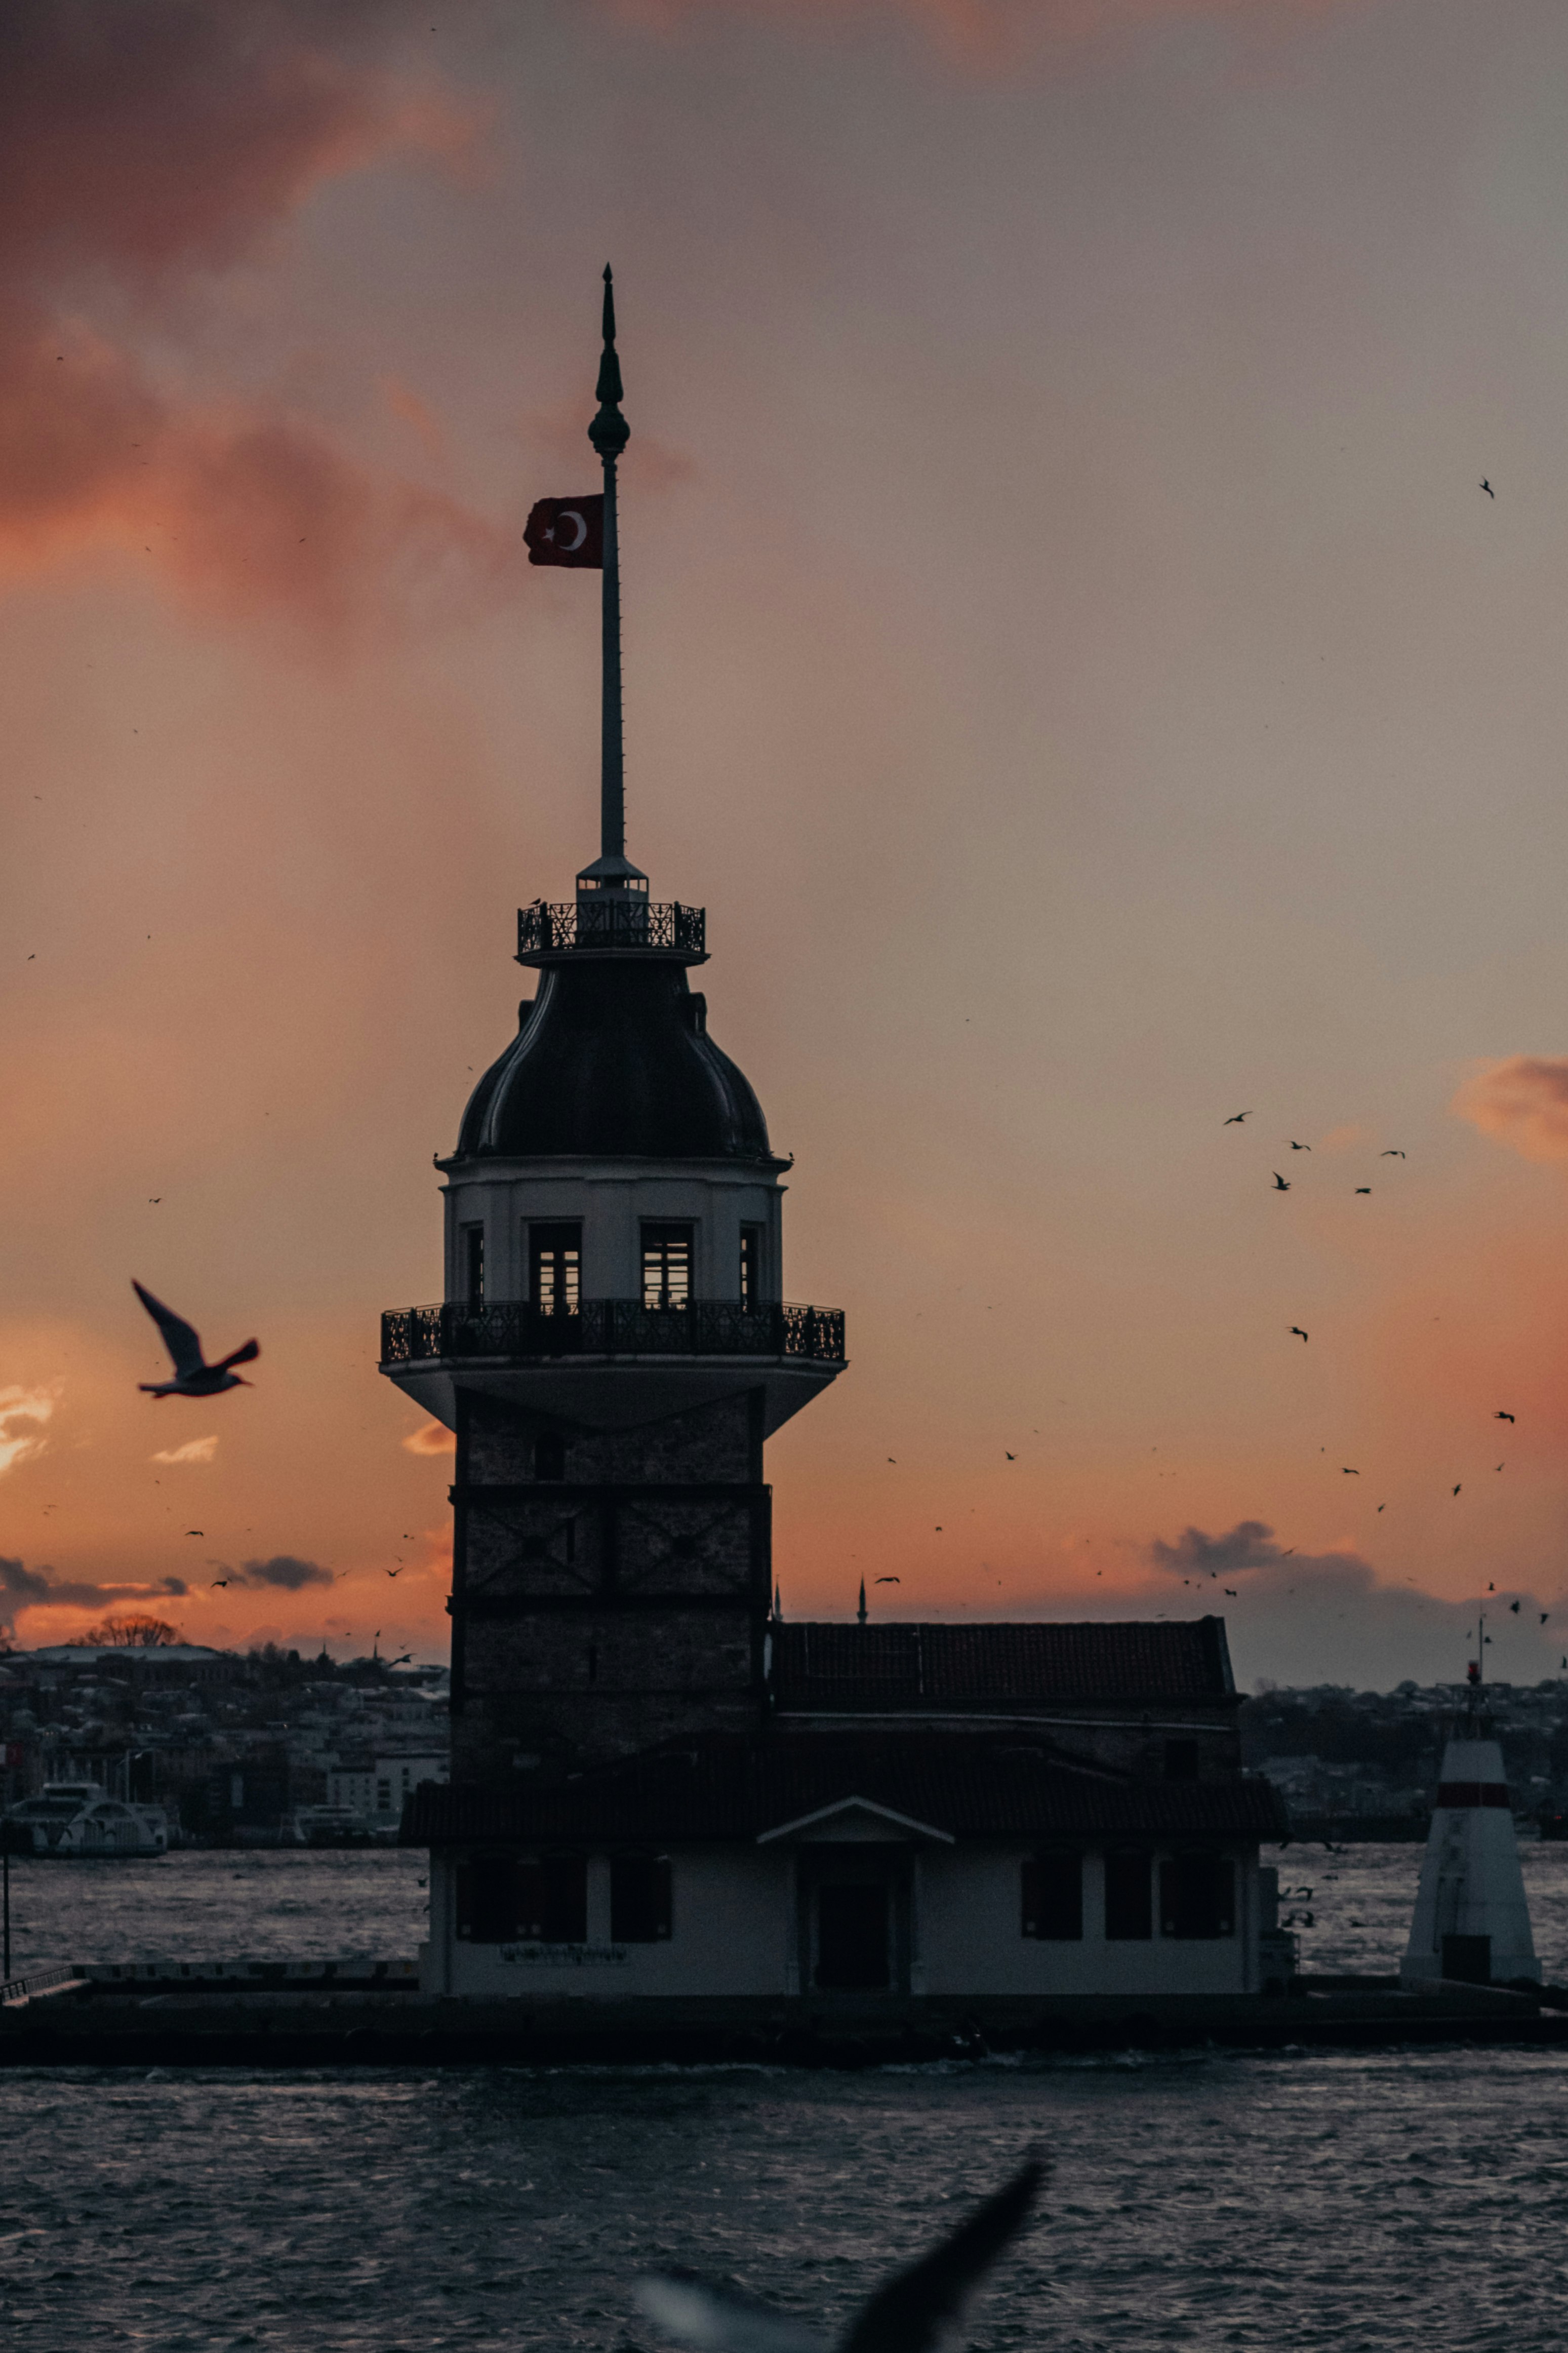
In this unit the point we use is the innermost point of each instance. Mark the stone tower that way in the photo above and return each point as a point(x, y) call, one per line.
point(614, 1347)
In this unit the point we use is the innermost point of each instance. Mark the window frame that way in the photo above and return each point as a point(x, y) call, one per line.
point(471, 1264)
point(1047, 1915)
point(657, 1239)
point(1128, 1901)
point(752, 1251)
point(646, 1914)
point(555, 1240)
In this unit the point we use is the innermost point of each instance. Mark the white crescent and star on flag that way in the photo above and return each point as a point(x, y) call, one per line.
point(566, 531)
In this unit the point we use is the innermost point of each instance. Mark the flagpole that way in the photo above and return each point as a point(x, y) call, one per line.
point(609, 434)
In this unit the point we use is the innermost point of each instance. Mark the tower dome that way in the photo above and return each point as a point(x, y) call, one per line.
point(614, 1058)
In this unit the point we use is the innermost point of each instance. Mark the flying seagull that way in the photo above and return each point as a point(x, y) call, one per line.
point(1391, 1155)
point(1012, 1458)
point(1280, 1184)
point(193, 1377)
point(1235, 1119)
point(1363, 1189)
point(886, 1581)
point(1457, 1489)
point(1514, 1607)
point(1502, 1417)
point(1488, 490)
point(916, 2312)
point(1298, 1332)
point(1299, 1147)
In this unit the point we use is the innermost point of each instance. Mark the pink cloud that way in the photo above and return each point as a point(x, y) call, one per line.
point(141, 151)
point(1522, 1103)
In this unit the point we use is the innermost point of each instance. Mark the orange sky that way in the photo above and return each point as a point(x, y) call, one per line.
point(1068, 651)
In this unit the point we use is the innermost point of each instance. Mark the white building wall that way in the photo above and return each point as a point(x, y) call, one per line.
point(735, 1933)
point(611, 1199)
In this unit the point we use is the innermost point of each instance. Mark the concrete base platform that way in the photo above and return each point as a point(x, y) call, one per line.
point(170, 2024)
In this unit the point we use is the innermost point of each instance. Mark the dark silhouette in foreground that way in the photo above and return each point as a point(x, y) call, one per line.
point(193, 1377)
point(919, 2310)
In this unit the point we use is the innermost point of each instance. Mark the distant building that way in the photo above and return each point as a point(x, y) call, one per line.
point(382, 1784)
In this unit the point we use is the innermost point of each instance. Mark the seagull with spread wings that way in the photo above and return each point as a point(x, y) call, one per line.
point(919, 2310)
point(193, 1377)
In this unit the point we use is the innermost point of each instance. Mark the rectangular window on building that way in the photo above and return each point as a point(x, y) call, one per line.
point(1181, 1760)
point(473, 1266)
point(1197, 1897)
point(751, 1266)
point(1129, 1911)
point(488, 1899)
point(639, 1899)
point(554, 1900)
point(666, 1265)
point(555, 1268)
point(1053, 1897)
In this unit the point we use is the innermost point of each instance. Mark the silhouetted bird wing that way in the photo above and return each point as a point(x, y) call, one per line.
point(1363, 1189)
point(717, 2320)
point(1280, 1183)
point(1502, 1417)
point(1488, 490)
point(1235, 1119)
point(886, 1581)
point(246, 1355)
point(918, 2311)
point(1514, 1607)
point(1299, 1147)
point(1391, 1156)
point(179, 1338)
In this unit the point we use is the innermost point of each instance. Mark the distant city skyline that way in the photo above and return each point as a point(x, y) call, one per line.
point(1068, 649)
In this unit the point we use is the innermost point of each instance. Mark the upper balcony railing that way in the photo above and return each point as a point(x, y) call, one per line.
point(611, 921)
point(613, 1327)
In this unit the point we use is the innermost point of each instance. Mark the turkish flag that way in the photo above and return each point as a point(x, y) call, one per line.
point(567, 531)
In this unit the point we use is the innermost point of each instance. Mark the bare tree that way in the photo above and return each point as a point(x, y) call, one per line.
point(128, 1634)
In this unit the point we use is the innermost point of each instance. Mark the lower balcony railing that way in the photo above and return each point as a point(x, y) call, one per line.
point(613, 1327)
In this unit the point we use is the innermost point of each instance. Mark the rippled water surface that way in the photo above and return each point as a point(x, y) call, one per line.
point(261, 1905)
point(1411, 2200)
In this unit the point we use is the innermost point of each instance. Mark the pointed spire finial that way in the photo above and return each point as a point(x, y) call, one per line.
point(609, 432)
point(778, 1607)
point(860, 1613)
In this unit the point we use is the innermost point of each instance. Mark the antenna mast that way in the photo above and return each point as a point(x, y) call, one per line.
point(609, 434)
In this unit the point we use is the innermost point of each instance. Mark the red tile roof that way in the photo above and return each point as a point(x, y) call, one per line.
point(1007, 1668)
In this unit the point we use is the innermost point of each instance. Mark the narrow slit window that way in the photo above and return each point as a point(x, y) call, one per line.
point(750, 1267)
point(555, 1269)
point(667, 1266)
point(473, 1266)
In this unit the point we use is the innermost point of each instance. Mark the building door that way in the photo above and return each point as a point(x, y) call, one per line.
point(852, 1940)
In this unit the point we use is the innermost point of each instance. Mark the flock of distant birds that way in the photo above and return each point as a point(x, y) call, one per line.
point(1283, 1185)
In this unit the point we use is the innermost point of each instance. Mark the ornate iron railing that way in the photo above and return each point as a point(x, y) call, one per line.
point(550, 929)
point(613, 1327)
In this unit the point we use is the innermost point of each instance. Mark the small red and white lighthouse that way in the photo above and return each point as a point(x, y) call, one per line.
point(1472, 1922)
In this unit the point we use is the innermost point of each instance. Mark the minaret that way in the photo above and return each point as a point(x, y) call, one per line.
point(1472, 1922)
point(614, 1347)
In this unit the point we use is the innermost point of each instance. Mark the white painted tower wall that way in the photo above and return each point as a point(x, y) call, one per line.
point(1471, 1884)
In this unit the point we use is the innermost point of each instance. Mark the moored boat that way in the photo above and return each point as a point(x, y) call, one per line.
point(72, 1820)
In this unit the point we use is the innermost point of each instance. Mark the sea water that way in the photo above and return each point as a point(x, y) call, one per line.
point(1352, 1905)
point(1336, 2201)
